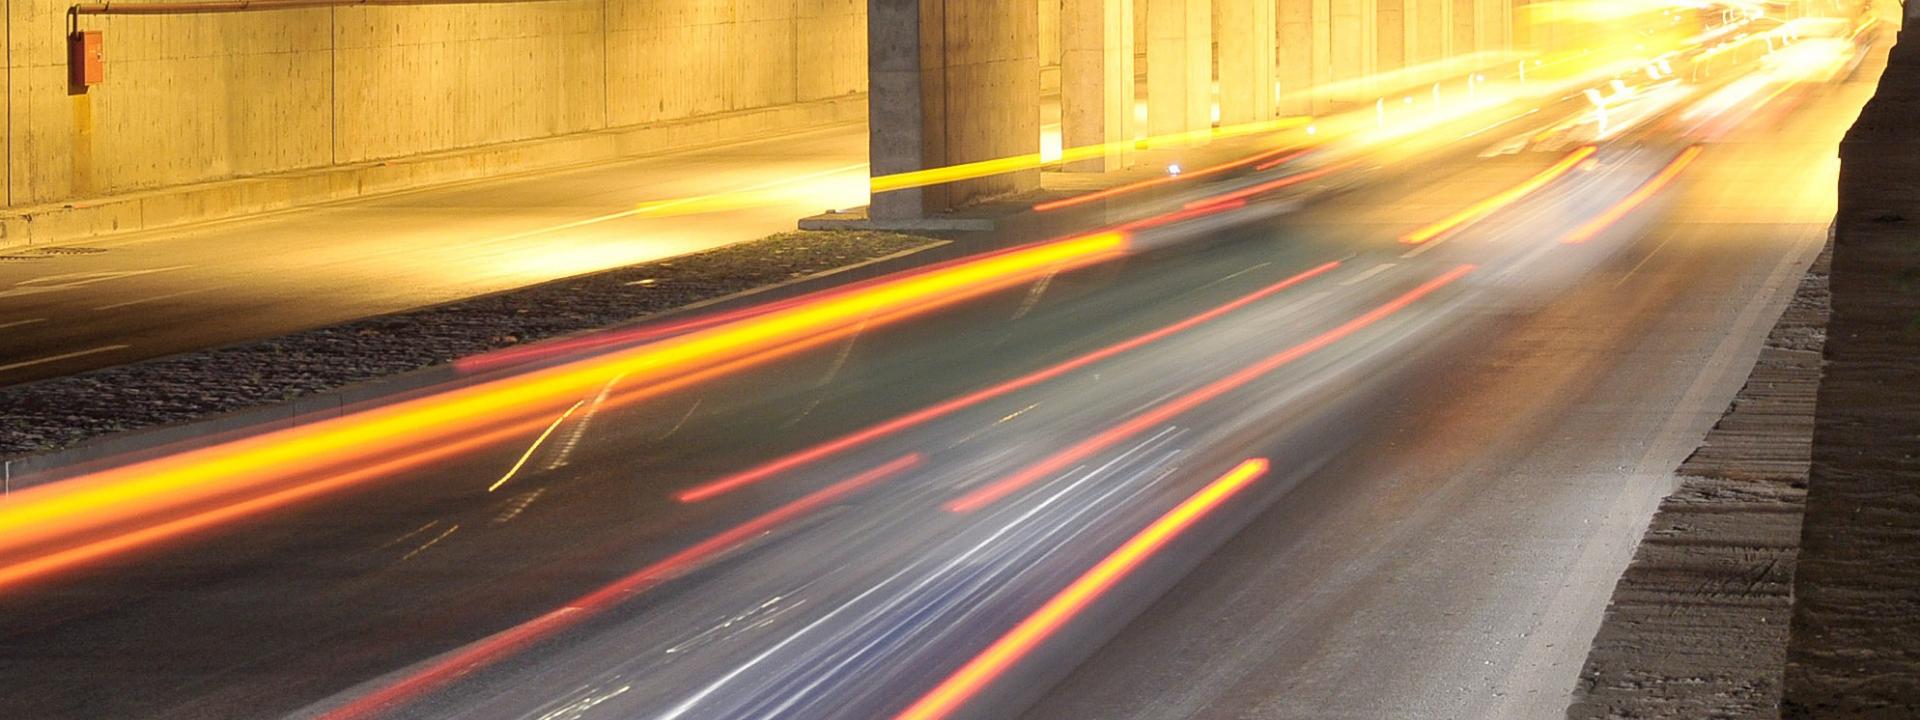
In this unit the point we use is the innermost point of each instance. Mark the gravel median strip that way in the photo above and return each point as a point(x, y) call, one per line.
point(59, 413)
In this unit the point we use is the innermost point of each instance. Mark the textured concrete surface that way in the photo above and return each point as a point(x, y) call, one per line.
point(1697, 627)
point(179, 205)
point(1096, 102)
point(952, 82)
point(1855, 645)
point(1245, 35)
point(197, 98)
point(1179, 65)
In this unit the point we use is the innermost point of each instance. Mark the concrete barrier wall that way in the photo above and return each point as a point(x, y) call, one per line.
point(192, 99)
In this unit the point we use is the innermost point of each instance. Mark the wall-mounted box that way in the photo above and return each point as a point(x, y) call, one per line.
point(86, 65)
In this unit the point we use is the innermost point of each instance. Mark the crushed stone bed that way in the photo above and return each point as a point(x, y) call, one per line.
point(59, 413)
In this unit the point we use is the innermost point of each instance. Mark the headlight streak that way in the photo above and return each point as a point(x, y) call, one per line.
point(843, 443)
point(997, 166)
point(1061, 609)
point(998, 489)
point(485, 652)
point(1639, 196)
point(1482, 209)
point(335, 453)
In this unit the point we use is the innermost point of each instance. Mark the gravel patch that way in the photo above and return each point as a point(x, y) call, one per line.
point(61, 412)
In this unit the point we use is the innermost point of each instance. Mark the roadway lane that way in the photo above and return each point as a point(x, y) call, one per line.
point(158, 293)
point(1458, 566)
point(554, 574)
point(298, 607)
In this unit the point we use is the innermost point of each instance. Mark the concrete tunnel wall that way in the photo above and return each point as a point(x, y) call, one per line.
point(205, 97)
point(954, 80)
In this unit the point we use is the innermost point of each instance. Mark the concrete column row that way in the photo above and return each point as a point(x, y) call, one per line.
point(956, 81)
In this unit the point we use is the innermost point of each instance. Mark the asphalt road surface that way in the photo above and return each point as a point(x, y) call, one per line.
point(112, 301)
point(1453, 447)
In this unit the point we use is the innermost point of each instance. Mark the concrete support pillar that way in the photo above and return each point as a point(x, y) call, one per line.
point(951, 82)
point(1305, 55)
point(1491, 33)
point(1179, 65)
point(1246, 60)
point(1050, 35)
point(1466, 24)
point(1431, 30)
point(1096, 90)
point(1392, 27)
point(1352, 26)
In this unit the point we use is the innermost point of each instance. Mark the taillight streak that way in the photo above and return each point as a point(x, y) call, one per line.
point(843, 443)
point(1171, 409)
point(1270, 185)
point(170, 493)
point(483, 653)
point(1640, 196)
point(1493, 204)
point(1061, 609)
point(1266, 160)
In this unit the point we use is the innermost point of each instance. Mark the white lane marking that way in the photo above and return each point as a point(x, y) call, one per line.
point(156, 298)
point(1643, 262)
point(63, 356)
point(1425, 246)
point(1235, 275)
point(522, 462)
point(18, 323)
point(939, 572)
point(52, 283)
point(1370, 272)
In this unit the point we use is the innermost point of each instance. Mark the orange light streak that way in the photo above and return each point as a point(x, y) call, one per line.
point(1479, 210)
point(487, 651)
point(1059, 610)
point(1288, 153)
point(148, 490)
point(1277, 162)
point(1614, 214)
point(68, 558)
point(855, 439)
point(1180, 215)
point(1270, 185)
point(1171, 409)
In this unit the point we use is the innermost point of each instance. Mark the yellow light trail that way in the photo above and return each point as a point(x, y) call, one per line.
point(155, 490)
point(966, 682)
point(1510, 196)
point(1645, 192)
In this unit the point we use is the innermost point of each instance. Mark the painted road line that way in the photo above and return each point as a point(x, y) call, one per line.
point(1367, 274)
point(156, 298)
point(63, 356)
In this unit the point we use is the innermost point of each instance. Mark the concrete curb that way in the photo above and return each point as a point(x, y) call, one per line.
point(82, 220)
